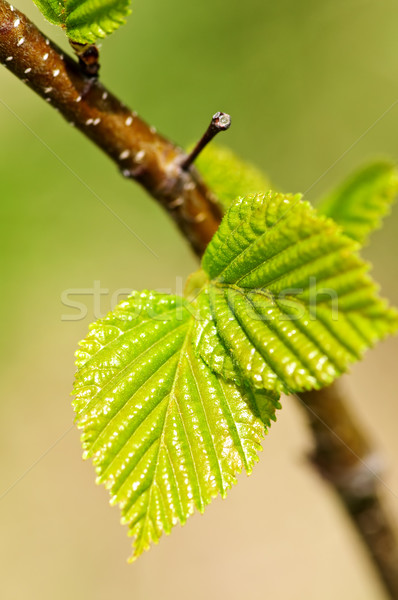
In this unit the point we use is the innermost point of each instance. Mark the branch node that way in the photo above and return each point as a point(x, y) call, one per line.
point(88, 56)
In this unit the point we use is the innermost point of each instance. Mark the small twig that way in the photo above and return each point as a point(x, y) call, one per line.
point(219, 122)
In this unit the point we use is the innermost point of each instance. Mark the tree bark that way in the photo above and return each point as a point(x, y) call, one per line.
point(342, 453)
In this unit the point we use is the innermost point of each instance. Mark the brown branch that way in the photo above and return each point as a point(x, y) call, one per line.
point(345, 458)
point(137, 149)
point(341, 449)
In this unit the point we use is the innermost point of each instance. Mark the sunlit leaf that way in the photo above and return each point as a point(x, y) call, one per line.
point(290, 300)
point(52, 10)
point(165, 433)
point(361, 202)
point(85, 20)
point(88, 20)
point(173, 394)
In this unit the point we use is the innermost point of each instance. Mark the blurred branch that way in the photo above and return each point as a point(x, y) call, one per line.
point(137, 149)
point(342, 452)
point(344, 457)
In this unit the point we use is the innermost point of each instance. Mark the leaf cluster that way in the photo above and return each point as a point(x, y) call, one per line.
point(174, 395)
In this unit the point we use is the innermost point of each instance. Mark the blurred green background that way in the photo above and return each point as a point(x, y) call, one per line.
point(307, 84)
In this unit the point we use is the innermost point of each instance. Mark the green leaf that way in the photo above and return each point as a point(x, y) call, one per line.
point(173, 394)
point(52, 10)
point(228, 176)
point(290, 302)
point(360, 203)
point(88, 20)
point(166, 434)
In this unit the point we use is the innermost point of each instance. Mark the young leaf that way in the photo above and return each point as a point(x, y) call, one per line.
point(52, 10)
point(88, 20)
point(172, 395)
point(360, 203)
point(165, 433)
point(291, 304)
point(228, 176)
point(85, 20)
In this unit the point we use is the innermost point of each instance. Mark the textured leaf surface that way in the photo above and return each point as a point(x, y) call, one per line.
point(166, 434)
point(228, 176)
point(52, 10)
point(88, 20)
point(360, 203)
point(173, 394)
point(291, 303)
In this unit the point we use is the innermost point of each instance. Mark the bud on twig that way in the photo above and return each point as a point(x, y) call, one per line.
point(220, 122)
